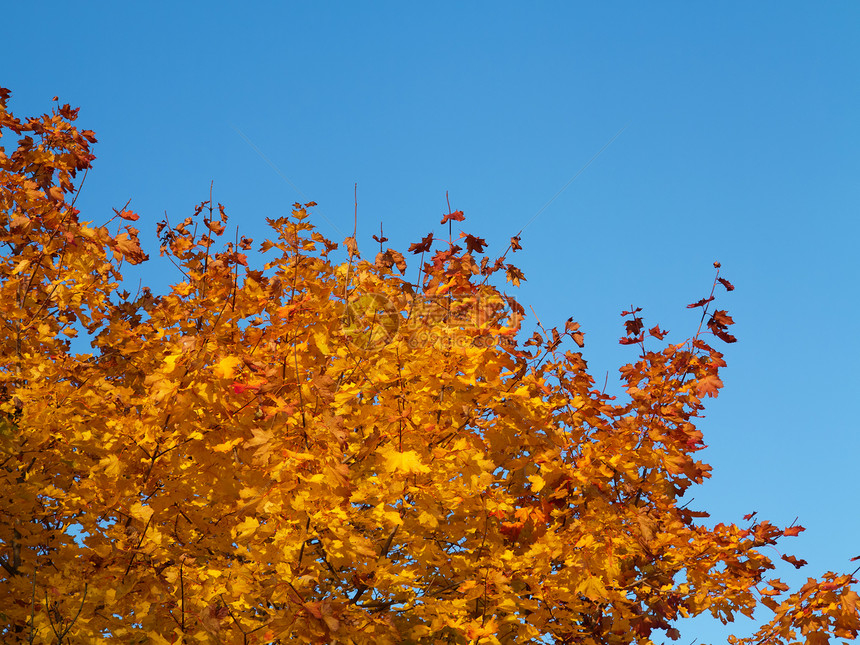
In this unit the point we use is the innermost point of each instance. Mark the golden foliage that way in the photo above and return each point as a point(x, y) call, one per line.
point(326, 453)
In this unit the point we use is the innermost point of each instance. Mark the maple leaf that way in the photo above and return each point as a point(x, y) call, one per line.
point(795, 562)
point(793, 530)
point(514, 275)
point(724, 336)
point(457, 216)
point(226, 367)
point(634, 326)
point(239, 388)
point(422, 246)
point(571, 328)
point(658, 333)
point(700, 303)
point(351, 246)
point(216, 227)
point(406, 462)
point(474, 244)
point(722, 317)
point(391, 258)
point(728, 285)
point(126, 214)
point(128, 246)
point(708, 386)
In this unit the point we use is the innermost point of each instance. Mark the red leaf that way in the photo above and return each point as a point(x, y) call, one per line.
point(722, 317)
point(791, 531)
point(474, 243)
point(794, 561)
point(634, 326)
point(423, 245)
point(379, 239)
point(515, 243)
point(728, 285)
point(456, 215)
point(127, 215)
point(700, 303)
point(725, 337)
point(239, 388)
point(658, 333)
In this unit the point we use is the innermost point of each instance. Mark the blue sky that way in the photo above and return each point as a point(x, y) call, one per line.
point(741, 145)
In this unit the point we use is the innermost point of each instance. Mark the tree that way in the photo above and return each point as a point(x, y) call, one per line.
point(324, 452)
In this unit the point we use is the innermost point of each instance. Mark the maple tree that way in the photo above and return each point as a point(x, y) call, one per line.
point(325, 452)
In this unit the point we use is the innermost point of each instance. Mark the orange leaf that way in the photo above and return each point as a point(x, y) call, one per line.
point(708, 386)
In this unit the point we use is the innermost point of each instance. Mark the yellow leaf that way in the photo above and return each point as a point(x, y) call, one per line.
point(226, 367)
point(141, 512)
point(592, 588)
point(426, 519)
point(112, 465)
point(183, 288)
point(537, 483)
point(247, 528)
point(321, 340)
point(227, 446)
point(407, 462)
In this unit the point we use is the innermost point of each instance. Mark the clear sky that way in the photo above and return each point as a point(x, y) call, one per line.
point(741, 145)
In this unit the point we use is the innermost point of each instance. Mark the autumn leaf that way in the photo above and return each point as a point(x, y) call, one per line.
point(246, 528)
point(226, 367)
point(129, 247)
point(708, 386)
point(658, 333)
point(456, 216)
point(126, 214)
point(700, 303)
point(474, 244)
point(422, 246)
point(795, 562)
point(634, 326)
point(514, 275)
point(721, 317)
point(141, 512)
point(351, 246)
point(405, 462)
